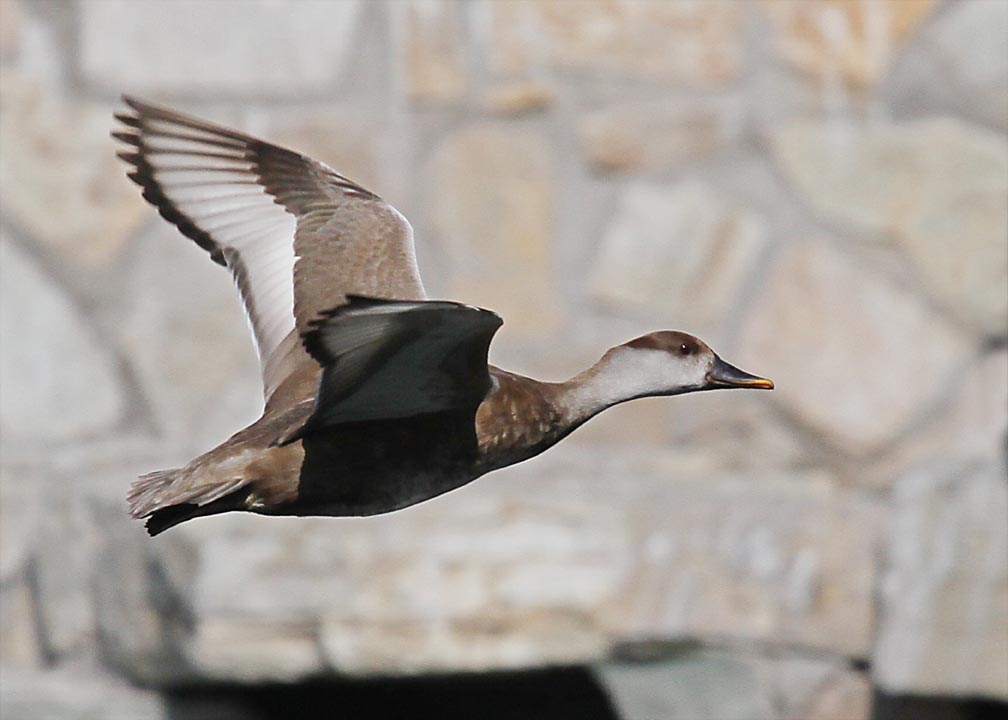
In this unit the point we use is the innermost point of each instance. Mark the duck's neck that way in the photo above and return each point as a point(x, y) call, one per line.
point(521, 416)
point(610, 381)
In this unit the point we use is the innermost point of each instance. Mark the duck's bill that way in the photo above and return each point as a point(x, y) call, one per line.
point(723, 375)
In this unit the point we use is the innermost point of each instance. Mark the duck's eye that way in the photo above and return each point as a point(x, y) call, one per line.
point(685, 349)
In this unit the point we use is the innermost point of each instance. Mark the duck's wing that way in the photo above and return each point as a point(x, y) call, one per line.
point(297, 236)
point(385, 359)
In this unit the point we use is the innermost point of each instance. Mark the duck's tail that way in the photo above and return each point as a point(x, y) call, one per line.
point(164, 518)
point(155, 497)
point(146, 498)
point(148, 491)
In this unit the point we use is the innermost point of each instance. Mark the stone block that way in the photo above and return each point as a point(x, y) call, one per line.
point(181, 327)
point(11, 19)
point(142, 613)
point(792, 562)
point(59, 179)
point(21, 509)
point(936, 187)
point(971, 40)
point(434, 57)
point(491, 191)
point(844, 346)
point(19, 643)
point(515, 98)
point(970, 423)
point(742, 432)
point(965, 47)
point(74, 695)
point(262, 49)
point(844, 39)
point(59, 379)
point(680, 252)
point(285, 651)
point(694, 43)
point(943, 627)
point(845, 696)
point(658, 135)
point(62, 572)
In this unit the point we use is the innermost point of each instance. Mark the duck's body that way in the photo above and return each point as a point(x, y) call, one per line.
point(376, 398)
point(361, 468)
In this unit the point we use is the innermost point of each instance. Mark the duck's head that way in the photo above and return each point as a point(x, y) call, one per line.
point(669, 362)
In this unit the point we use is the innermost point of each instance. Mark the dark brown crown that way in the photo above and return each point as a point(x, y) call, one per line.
point(670, 341)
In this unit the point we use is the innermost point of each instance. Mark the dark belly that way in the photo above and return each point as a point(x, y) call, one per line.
point(374, 467)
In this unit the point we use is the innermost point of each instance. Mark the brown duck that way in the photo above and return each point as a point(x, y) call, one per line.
point(375, 397)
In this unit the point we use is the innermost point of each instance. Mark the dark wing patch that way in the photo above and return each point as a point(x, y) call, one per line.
point(386, 359)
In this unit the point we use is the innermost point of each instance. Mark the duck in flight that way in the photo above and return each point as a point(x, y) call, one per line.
point(376, 398)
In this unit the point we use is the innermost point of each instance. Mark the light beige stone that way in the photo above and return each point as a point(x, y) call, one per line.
point(63, 562)
point(59, 177)
point(62, 694)
point(682, 252)
point(844, 696)
point(21, 493)
point(694, 42)
point(936, 186)
point(850, 39)
point(252, 652)
point(970, 39)
point(515, 98)
point(958, 239)
point(806, 686)
point(971, 423)
point(261, 48)
point(744, 432)
point(798, 552)
point(434, 60)
point(488, 643)
point(19, 643)
point(491, 190)
point(943, 628)
point(975, 423)
point(658, 135)
point(141, 599)
point(11, 13)
point(181, 327)
point(843, 345)
point(58, 379)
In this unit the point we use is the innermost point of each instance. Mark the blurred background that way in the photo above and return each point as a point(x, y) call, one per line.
point(818, 189)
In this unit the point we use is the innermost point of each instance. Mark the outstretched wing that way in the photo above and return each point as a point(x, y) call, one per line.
point(386, 359)
point(297, 236)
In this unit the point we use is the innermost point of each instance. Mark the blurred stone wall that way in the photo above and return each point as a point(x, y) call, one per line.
point(818, 189)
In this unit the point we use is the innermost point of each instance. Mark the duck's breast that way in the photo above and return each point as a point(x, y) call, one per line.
point(517, 419)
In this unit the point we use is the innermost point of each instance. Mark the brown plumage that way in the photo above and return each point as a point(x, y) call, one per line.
point(375, 397)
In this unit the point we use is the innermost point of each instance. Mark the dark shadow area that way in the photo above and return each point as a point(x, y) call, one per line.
point(916, 707)
point(528, 695)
